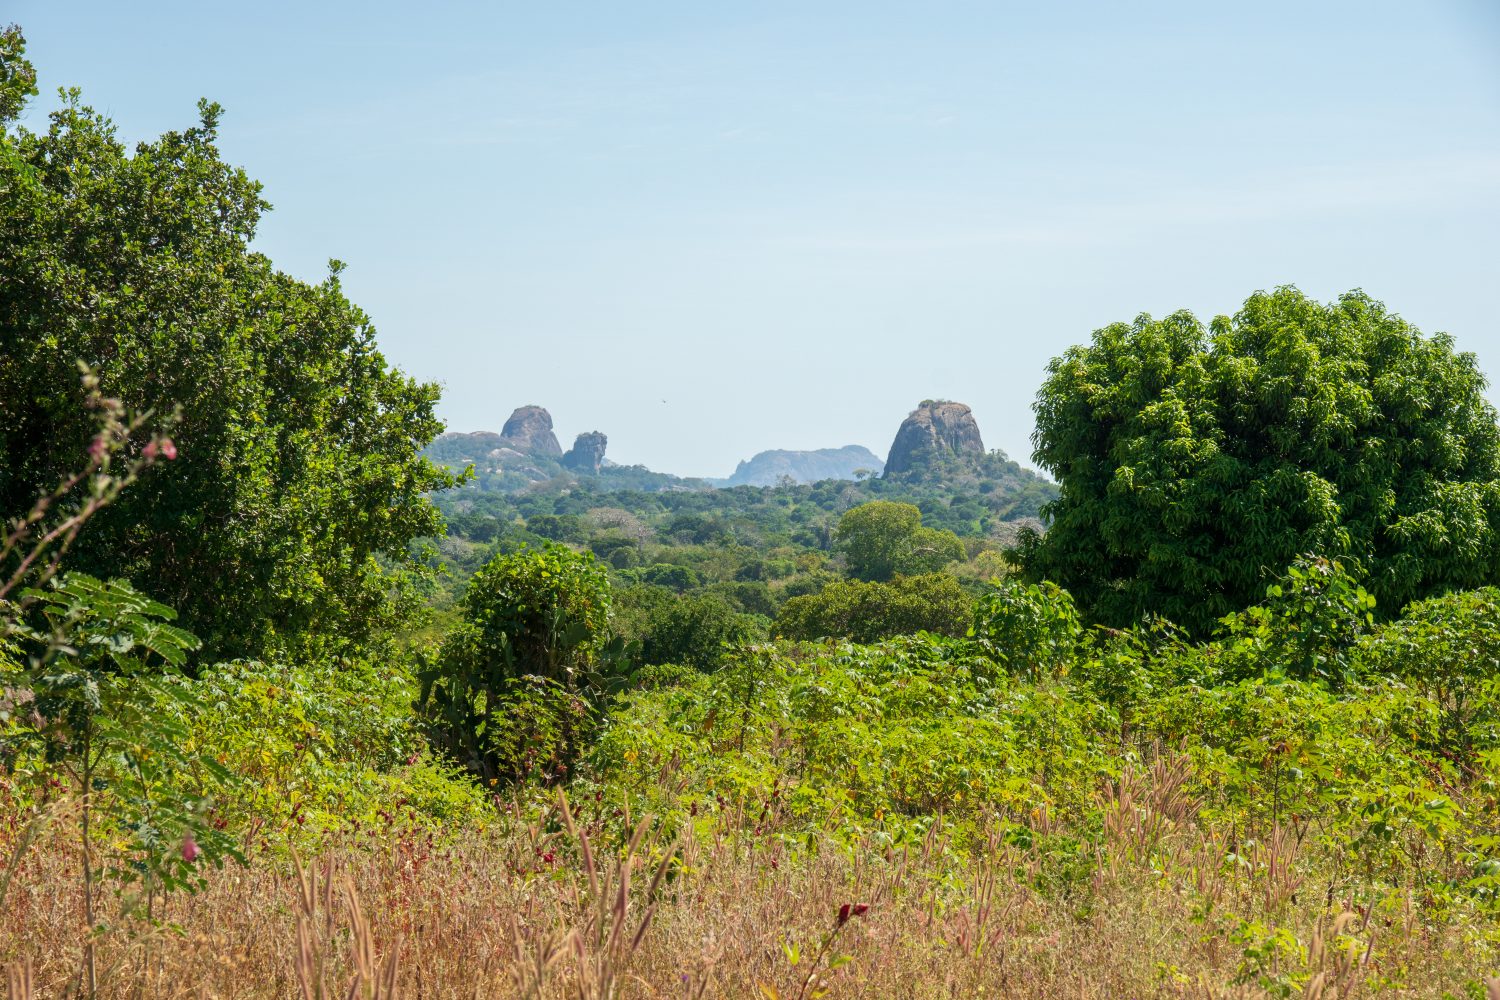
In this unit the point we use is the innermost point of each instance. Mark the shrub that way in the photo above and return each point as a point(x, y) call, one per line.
point(868, 612)
point(532, 614)
point(1448, 648)
point(324, 747)
point(1032, 629)
point(696, 630)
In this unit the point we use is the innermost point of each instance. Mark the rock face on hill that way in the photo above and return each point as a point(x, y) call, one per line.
point(529, 430)
point(936, 429)
point(587, 454)
point(768, 467)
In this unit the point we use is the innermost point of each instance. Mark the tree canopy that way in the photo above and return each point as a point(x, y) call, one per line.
point(882, 539)
point(299, 467)
point(1195, 461)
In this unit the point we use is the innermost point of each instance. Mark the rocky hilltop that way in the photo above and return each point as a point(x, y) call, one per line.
point(937, 429)
point(529, 430)
point(587, 454)
point(769, 467)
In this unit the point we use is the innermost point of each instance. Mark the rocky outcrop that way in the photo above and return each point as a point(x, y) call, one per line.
point(529, 430)
point(770, 467)
point(587, 454)
point(934, 430)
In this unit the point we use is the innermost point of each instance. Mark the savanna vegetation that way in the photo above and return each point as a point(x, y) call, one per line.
point(1228, 727)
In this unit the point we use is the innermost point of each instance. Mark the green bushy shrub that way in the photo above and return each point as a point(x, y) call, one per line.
point(325, 747)
point(860, 737)
point(1032, 629)
point(533, 636)
point(695, 630)
point(869, 612)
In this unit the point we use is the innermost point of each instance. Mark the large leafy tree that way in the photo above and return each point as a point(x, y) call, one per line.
point(1194, 461)
point(299, 483)
point(882, 539)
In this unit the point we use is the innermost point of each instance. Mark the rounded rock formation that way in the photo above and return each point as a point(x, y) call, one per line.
point(587, 453)
point(529, 430)
point(935, 429)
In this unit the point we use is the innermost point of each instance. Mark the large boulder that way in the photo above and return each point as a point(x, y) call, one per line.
point(936, 429)
point(587, 454)
point(529, 430)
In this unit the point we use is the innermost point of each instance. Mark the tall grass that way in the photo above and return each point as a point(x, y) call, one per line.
point(585, 906)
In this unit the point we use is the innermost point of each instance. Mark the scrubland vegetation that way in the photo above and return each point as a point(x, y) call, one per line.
point(1228, 727)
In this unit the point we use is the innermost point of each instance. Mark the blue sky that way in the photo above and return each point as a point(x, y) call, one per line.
point(710, 229)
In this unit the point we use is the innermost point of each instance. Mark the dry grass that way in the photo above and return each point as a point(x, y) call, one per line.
point(555, 908)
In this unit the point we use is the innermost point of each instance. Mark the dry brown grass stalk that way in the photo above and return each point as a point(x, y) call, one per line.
point(567, 908)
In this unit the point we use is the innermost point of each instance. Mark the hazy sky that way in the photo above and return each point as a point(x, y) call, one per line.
point(709, 228)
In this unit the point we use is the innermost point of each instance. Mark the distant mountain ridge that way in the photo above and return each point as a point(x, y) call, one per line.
point(769, 468)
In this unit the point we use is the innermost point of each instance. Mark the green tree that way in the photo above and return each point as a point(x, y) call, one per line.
point(869, 612)
point(298, 485)
point(17, 75)
point(1193, 461)
point(882, 539)
point(523, 659)
point(694, 630)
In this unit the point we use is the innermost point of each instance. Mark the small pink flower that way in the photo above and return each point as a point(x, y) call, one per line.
point(98, 448)
point(190, 849)
point(168, 449)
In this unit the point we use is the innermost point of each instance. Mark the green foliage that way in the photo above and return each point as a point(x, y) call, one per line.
point(298, 466)
point(678, 578)
point(882, 539)
point(1448, 648)
point(324, 747)
point(17, 75)
point(1031, 629)
point(873, 738)
point(1307, 626)
point(868, 612)
point(531, 622)
point(1192, 459)
point(696, 630)
point(94, 701)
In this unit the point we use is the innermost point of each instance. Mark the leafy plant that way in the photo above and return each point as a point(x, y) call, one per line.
point(533, 622)
point(92, 703)
point(1033, 630)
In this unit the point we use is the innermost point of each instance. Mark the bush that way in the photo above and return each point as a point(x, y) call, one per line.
point(325, 747)
point(1449, 649)
point(1032, 629)
point(859, 738)
point(542, 616)
point(695, 631)
point(868, 612)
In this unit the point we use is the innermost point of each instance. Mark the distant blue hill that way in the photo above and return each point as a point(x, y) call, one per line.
point(768, 468)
